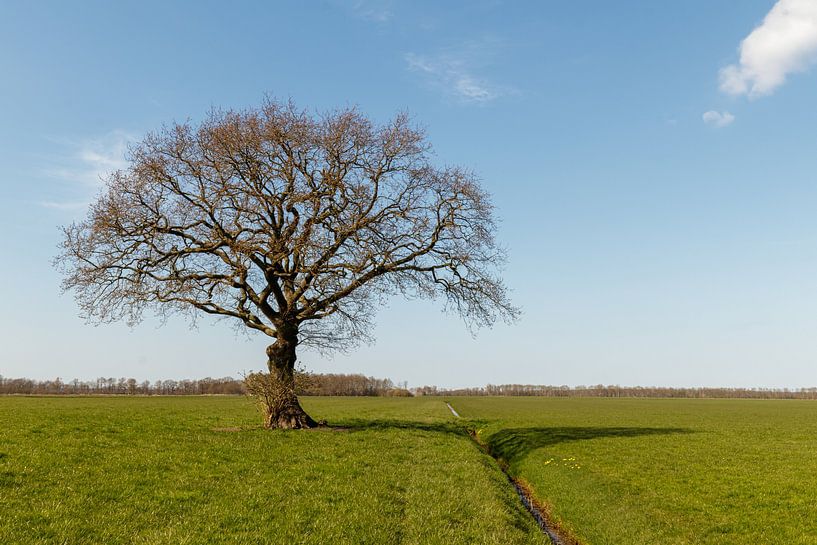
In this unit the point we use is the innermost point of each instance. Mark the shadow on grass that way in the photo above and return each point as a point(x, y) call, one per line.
point(513, 444)
point(407, 425)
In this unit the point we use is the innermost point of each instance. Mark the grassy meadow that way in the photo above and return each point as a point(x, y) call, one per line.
point(661, 471)
point(199, 470)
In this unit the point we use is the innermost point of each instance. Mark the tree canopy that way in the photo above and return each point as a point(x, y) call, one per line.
point(291, 224)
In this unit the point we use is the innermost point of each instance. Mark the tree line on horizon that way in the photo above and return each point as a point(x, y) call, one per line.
point(600, 390)
point(308, 384)
point(339, 384)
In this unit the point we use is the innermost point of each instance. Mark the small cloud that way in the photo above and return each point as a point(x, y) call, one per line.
point(63, 205)
point(783, 44)
point(452, 77)
point(718, 119)
point(85, 166)
point(469, 88)
point(378, 11)
point(91, 160)
point(379, 14)
point(453, 71)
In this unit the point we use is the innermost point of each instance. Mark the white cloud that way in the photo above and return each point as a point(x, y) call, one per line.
point(377, 11)
point(92, 160)
point(783, 44)
point(68, 205)
point(718, 119)
point(85, 166)
point(453, 71)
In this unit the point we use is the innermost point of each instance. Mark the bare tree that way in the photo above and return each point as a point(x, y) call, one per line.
point(296, 226)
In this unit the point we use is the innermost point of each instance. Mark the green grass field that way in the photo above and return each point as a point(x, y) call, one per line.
point(154, 471)
point(662, 471)
point(200, 470)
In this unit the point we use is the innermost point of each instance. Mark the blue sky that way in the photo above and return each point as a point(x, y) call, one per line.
point(653, 163)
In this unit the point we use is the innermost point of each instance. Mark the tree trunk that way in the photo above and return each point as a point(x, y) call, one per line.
point(283, 411)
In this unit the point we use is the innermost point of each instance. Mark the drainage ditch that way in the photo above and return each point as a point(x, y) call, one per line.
point(532, 506)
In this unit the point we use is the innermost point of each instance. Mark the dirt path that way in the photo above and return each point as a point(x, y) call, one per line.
point(450, 408)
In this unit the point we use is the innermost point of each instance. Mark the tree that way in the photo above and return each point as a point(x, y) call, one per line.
point(293, 225)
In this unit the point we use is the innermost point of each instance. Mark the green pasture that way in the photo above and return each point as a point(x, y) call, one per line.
point(198, 470)
point(662, 471)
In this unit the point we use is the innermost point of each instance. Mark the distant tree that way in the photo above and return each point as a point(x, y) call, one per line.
point(295, 226)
